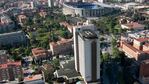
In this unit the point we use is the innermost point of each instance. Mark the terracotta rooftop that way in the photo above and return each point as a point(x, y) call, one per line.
point(33, 77)
point(39, 52)
point(146, 44)
point(142, 39)
point(134, 25)
point(3, 66)
point(132, 48)
point(10, 63)
point(61, 42)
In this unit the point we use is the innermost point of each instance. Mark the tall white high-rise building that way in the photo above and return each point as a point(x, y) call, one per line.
point(87, 52)
point(50, 3)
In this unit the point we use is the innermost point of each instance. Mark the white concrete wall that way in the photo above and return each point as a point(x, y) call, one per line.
point(88, 63)
point(82, 57)
point(98, 58)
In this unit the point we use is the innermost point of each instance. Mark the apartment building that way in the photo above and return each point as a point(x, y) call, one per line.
point(10, 71)
point(13, 38)
point(132, 26)
point(144, 72)
point(3, 56)
point(40, 54)
point(64, 46)
point(6, 24)
point(137, 48)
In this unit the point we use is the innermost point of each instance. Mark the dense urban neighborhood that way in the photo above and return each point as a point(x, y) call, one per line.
point(74, 41)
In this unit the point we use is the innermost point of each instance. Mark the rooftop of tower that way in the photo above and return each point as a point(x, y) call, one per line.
point(88, 34)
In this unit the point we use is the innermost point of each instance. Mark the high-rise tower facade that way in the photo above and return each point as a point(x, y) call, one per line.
point(87, 52)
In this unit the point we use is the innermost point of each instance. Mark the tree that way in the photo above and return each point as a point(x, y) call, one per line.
point(137, 16)
point(27, 51)
point(105, 57)
point(147, 26)
point(29, 22)
point(55, 63)
point(65, 34)
point(106, 24)
point(17, 58)
point(115, 53)
point(114, 43)
point(118, 28)
point(102, 39)
point(48, 74)
point(53, 37)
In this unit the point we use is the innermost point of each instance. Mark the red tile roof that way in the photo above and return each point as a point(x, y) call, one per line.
point(146, 44)
point(142, 39)
point(61, 42)
point(132, 48)
point(33, 77)
point(10, 63)
point(134, 25)
point(132, 51)
point(39, 52)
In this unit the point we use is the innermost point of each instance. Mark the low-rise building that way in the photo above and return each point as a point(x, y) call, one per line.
point(68, 26)
point(6, 24)
point(10, 71)
point(13, 39)
point(132, 26)
point(22, 19)
point(141, 1)
point(138, 34)
point(42, 13)
point(61, 47)
point(136, 48)
point(130, 5)
point(144, 72)
point(34, 79)
point(40, 54)
point(47, 67)
point(47, 71)
point(26, 61)
point(3, 56)
point(68, 72)
point(71, 22)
